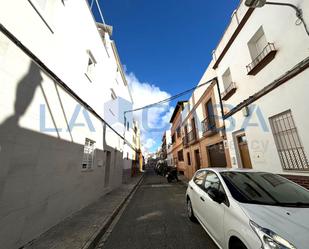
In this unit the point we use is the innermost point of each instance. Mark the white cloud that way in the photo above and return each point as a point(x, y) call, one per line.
point(149, 143)
point(153, 121)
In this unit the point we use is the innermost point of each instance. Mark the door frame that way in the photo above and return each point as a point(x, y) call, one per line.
point(237, 134)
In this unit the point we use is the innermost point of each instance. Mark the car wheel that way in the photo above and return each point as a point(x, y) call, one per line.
point(238, 245)
point(190, 212)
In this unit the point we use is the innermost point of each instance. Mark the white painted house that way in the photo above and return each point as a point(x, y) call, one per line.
point(262, 66)
point(62, 98)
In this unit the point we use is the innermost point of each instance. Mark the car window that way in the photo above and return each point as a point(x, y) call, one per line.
point(199, 178)
point(265, 188)
point(212, 181)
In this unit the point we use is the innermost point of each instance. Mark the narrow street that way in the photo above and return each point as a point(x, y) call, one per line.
point(156, 218)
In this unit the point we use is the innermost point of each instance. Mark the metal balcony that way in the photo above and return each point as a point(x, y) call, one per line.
point(189, 138)
point(229, 91)
point(265, 57)
point(209, 125)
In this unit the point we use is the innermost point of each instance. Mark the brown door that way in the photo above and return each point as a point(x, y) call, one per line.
point(244, 151)
point(216, 155)
point(197, 159)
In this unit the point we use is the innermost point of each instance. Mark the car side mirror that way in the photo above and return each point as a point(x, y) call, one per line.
point(216, 195)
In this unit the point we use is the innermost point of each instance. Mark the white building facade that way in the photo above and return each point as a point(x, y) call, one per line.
point(62, 98)
point(262, 66)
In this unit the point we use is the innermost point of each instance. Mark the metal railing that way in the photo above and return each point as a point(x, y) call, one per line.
point(231, 86)
point(268, 49)
point(189, 138)
point(192, 136)
point(209, 124)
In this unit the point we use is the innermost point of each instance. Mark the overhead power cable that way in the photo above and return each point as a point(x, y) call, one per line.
point(171, 98)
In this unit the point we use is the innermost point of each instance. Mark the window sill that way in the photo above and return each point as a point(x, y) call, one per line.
point(231, 89)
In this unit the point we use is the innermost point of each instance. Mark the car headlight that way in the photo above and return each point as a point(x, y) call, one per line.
point(269, 239)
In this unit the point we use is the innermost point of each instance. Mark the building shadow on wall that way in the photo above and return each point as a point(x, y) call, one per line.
point(24, 94)
point(30, 162)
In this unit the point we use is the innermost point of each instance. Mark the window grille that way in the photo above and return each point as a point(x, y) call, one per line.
point(290, 149)
point(88, 154)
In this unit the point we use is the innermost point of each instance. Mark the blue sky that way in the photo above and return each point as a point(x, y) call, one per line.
point(165, 46)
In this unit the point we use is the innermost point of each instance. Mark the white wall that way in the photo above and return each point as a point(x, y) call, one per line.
point(41, 178)
point(292, 44)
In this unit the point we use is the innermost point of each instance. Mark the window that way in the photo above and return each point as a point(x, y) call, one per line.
point(257, 43)
point(113, 94)
point(289, 146)
point(265, 189)
point(180, 156)
point(189, 158)
point(199, 178)
point(227, 79)
point(229, 85)
point(212, 181)
point(90, 66)
point(178, 132)
point(262, 52)
point(209, 122)
point(88, 154)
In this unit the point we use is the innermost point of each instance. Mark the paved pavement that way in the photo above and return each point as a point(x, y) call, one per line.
point(83, 229)
point(155, 218)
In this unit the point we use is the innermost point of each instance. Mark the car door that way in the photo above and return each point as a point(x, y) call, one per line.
point(212, 213)
point(196, 191)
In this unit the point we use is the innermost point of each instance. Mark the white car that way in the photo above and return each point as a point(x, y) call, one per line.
point(246, 209)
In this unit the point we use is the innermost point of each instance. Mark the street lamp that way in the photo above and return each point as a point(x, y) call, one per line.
point(261, 3)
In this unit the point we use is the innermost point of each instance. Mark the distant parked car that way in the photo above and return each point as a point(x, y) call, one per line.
point(246, 209)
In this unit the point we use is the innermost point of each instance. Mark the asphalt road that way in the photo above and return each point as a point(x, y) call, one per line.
point(156, 218)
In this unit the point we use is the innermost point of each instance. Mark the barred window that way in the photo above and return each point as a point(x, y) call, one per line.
point(88, 154)
point(290, 149)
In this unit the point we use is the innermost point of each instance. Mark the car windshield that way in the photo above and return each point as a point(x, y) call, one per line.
point(265, 188)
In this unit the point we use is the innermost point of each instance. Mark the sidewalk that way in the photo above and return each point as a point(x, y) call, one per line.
point(85, 228)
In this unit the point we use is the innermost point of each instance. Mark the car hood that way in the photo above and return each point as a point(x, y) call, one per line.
point(291, 224)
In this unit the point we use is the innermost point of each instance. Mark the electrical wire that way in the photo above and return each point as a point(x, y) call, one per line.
point(172, 97)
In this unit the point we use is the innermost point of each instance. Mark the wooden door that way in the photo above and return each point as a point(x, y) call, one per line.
point(244, 152)
point(197, 159)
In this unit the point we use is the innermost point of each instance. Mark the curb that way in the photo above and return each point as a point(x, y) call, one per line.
point(95, 238)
